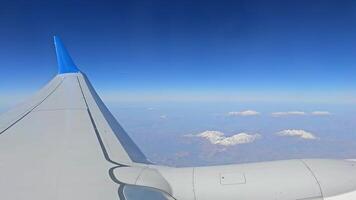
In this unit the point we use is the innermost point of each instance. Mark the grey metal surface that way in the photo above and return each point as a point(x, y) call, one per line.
point(310, 179)
point(143, 176)
point(278, 180)
point(10, 117)
point(49, 149)
point(334, 177)
point(111, 132)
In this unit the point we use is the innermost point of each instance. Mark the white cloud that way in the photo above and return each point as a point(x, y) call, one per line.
point(244, 113)
point(279, 114)
point(163, 116)
point(301, 113)
point(219, 138)
point(321, 113)
point(297, 133)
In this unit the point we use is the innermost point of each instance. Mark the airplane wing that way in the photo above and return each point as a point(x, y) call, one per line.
point(63, 143)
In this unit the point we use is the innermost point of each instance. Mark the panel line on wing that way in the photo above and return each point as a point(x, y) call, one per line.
point(130, 148)
point(313, 174)
point(102, 146)
point(59, 109)
point(28, 112)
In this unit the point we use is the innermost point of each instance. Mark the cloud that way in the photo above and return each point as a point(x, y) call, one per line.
point(219, 138)
point(163, 117)
point(279, 114)
point(321, 113)
point(244, 113)
point(301, 113)
point(297, 133)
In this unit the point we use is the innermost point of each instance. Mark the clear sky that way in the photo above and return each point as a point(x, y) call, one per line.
point(200, 82)
point(269, 50)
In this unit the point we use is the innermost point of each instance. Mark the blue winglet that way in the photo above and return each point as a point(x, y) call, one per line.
point(65, 62)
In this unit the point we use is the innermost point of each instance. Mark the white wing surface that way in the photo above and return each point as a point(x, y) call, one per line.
point(63, 143)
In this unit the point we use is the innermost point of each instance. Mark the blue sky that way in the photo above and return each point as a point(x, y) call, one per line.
point(168, 69)
point(250, 49)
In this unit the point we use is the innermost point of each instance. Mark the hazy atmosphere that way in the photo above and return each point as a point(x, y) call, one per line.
point(200, 82)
